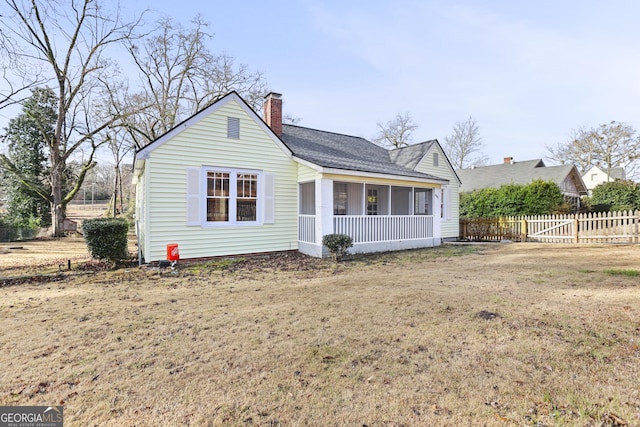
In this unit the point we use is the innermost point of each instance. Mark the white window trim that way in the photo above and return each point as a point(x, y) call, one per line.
point(233, 195)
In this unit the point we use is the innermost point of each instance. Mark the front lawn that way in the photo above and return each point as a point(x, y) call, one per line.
point(511, 334)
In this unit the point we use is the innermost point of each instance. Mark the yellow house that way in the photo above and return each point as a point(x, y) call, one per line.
point(225, 182)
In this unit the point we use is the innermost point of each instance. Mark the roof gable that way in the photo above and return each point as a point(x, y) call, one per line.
point(144, 152)
point(410, 156)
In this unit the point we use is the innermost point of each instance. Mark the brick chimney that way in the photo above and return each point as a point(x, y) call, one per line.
point(273, 112)
point(508, 160)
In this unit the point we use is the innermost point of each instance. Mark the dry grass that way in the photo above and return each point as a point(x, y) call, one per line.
point(518, 334)
point(41, 256)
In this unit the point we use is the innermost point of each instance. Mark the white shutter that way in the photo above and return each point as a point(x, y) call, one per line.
point(446, 203)
point(269, 198)
point(193, 196)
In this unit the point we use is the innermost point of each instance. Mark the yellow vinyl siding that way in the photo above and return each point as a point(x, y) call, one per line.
point(205, 143)
point(450, 228)
point(306, 174)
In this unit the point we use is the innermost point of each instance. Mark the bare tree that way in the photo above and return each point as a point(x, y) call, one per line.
point(18, 75)
point(291, 119)
point(69, 40)
point(120, 148)
point(464, 146)
point(397, 132)
point(579, 149)
point(179, 76)
point(614, 144)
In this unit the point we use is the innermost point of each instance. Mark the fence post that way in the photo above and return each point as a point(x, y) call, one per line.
point(575, 229)
point(523, 230)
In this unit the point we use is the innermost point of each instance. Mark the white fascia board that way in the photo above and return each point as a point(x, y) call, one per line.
point(446, 158)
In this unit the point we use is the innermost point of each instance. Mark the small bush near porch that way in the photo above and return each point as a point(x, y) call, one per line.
point(496, 335)
point(338, 245)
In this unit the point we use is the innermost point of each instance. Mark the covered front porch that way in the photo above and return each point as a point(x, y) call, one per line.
point(377, 216)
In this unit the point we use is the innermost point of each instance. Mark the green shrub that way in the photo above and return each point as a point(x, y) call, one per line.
point(107, 238)
point(537, 198)
point(338, 245)
point(543, 198)
point(616, 196)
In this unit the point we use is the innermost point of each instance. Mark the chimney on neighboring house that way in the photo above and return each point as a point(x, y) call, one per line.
point(273, 112)
point(508, 160)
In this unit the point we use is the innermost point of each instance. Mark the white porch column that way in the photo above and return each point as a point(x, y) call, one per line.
point(437, 215)
point(324, 208)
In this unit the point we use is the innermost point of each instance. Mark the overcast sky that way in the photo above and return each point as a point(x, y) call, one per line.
point(528, 72)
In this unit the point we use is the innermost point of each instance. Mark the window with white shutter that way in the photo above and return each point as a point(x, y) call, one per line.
point(223, 197)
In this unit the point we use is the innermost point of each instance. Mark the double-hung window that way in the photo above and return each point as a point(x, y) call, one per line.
point(232, 196)
point(218, 196)
point(247, 197)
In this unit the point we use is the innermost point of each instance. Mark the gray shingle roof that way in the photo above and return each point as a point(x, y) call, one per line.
point(333, 150)
point(514, 173)
point(410, 156)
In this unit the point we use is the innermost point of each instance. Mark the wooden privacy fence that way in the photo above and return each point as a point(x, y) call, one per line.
point(602, 227)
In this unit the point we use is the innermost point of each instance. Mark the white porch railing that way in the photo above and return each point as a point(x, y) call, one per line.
point(383, 228)
point(371, 228)
point(307, 228)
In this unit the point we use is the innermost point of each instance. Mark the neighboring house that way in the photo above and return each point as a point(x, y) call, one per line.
point(511, 172)
point(596, 176)
point(225, 182)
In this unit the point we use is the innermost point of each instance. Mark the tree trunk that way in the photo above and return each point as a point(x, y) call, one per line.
point(57, 208)
point(120, 188)
point(57, 220)
point(115, 194)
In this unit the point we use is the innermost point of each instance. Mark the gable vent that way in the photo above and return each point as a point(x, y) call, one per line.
point(233, 127)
